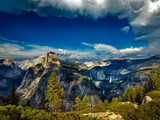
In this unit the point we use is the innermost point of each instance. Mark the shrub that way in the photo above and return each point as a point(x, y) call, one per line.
point(126, 110)
point(154, 94)
point(149, 111)
point(12, 112)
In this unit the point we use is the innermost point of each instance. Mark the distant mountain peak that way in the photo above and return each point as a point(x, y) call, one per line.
point(157, 56)
point(50, 59)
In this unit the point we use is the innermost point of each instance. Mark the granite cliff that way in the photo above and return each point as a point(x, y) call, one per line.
point(98, 80)
point(36, 78)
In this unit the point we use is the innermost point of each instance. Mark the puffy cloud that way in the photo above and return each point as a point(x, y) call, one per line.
point(143, 15)
point(125, 29)
point(130, 50)
point(103, 48)
point(106, 48)
point(11, 49)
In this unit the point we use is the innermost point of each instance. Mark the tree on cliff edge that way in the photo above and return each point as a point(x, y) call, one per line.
point(53, 95)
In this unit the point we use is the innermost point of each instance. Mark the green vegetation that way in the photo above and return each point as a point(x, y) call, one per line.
point(84, 103)
point(154, 81)
point(76, 107)
point(149, 111)
point(12, 112)
point(126, 110)
point(54, 94)
point(53, 100)
point(13, 98)
point(129, 94)
point(139, 94)
point(154, 94)
point(70, 65)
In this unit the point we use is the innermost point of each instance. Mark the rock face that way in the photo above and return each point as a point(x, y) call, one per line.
point(36, 78)
point(107, 80)
point(3, 100)
point(118, 74)
point(10, 74)
point(146, 99)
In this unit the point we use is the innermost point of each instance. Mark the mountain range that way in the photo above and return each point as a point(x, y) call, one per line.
point(98, 80)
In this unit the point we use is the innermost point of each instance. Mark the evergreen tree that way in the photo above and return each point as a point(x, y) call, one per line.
point(84, 103)
point(54, 93)
point(120, 99)
point(105, 105)
point(144, 89)
point(115, 100)
point(76, 107)
point(28, 103)
point(154, 81)
point(139, 94)
point(13, 98)
point(129, 94)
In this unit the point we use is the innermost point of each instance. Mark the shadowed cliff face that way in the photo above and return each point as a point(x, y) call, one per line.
point(36, 78)
point(10, 74)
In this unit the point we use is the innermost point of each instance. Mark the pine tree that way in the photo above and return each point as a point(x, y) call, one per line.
point(105, 105)
point(28, 103)
point(84, 103)
point(115, 100)
point(132, 94)
point(154, 81)
point(139, 94)
point(76, 107)
point(120, 99)
point(54, 93)
point(129, 94)
point(13, 98)
point(144, 89)
point(126, 95)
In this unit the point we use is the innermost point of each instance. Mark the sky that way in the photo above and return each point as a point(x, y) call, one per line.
point(79, 29)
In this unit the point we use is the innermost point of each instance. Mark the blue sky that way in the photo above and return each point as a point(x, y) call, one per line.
point(90, 30)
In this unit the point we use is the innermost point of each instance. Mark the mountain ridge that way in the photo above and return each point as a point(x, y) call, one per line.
point(98, 82)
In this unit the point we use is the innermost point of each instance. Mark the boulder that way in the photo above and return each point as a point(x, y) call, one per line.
point(146, 99)
point(135, 105)
point(106, 115)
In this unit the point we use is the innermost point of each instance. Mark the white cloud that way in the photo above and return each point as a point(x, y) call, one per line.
point(87, 44)
point(12, 50)
point(125, 29)
point(130, 50)
point(106, 48)
point(103, 48)
point(143, 15)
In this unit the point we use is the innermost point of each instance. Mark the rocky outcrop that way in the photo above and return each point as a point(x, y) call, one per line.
point(106, 116)
point(36, 78)
point(135, 105)
point(146, 99)
point(10, 74)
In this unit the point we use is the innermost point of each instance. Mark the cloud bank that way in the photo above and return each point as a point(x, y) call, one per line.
point(111, 49)
point(143, 15)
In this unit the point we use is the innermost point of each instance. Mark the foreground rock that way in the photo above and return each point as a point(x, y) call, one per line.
point(146, 99)
point(135, 105)
point(106, 115)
